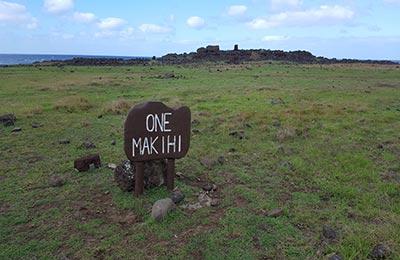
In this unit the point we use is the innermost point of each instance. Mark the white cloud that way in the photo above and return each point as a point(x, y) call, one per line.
point(13, 13)
point(58, 6)
point(236, 10)
point(84, 17)
point(285, 4)
point(111, 23)
point(324, 15)
point(154, 28)
point(260, 23)
point(273, 38)
point(196, 22)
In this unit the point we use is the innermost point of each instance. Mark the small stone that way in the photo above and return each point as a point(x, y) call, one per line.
point(204, 200)
point(100, 116)
point(16, 129)
point(379, 146)
point(233, 133)
point(177, 196)
point(195, 122)
point(215, 202)
point(275, 213)
point(195, 131)
point(221, 159)
point(113, 142)
point(209, 163)
point(379, 252)
point(208, 186)
point(333, 256)
point(329, 233)
point(36, 124)
point(112, 166)
point(276, 123)
point(280, 148)
point(64, 141)
point(56, 181)
point(8, 120)
point(88, 145)
point(179, 174)
point(161, 208)
point(232, 150)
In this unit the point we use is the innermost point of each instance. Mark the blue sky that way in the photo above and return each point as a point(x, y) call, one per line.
point(368, 29)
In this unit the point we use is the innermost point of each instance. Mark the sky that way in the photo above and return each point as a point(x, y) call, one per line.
point(358, 29)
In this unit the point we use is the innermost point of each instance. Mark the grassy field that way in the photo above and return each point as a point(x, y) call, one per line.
point(332, 160)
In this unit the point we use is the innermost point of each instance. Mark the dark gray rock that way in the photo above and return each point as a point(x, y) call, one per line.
point(56, 181)
point(329, 233)
point(88, 145)
point(177, 196)
point(65, 141)
point(154, 174)
point(379, 252)
point(276, 123)
point(36, 124)
point(195, 122)
point(87, 162)
point(16, 129)
point(288, 165)
point(274, 213)
point(161, 208)
point(221, 159)
point(8, 120)
point(208, 186)
point(113, 142)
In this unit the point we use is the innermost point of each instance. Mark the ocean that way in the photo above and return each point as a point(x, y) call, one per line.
point(15, 59)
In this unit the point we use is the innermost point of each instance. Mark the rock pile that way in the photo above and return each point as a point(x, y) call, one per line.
point(154, 174)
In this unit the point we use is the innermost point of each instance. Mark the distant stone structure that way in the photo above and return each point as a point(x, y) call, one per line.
point(213, 53)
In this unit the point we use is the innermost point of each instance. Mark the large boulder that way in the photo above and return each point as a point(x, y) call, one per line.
point(154, 174)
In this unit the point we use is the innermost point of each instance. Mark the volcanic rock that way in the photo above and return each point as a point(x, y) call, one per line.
point(379, 252)
point(56, 181)
point(161, 208)
point(275, 213)
point(177, 196)
point(87, 162)
point(8, 120)
point(154, 174)
point(329, 233)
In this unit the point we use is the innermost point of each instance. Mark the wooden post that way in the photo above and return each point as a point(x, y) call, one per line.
point(139, 176)
point(170, 173)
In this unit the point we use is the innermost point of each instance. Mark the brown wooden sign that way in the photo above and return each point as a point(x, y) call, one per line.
point(156, 131)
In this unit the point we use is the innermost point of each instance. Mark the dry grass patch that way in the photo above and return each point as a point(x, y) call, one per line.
point(285, 133)
point(73, 104)
point(118, 107)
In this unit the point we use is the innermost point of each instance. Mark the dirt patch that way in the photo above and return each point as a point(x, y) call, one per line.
point(387, 85)
point(101, 206)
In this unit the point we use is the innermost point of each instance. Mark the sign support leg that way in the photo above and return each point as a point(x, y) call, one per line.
point(139, 182)
point(170, 173)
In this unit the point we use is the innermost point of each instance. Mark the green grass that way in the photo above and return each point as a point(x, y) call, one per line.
point(335, 160)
